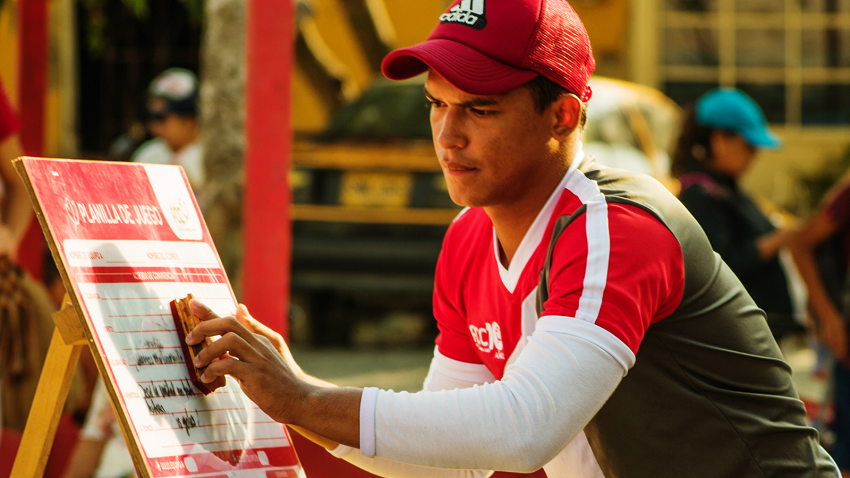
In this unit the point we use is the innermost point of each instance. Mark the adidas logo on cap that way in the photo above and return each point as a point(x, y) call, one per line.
point(467, 12)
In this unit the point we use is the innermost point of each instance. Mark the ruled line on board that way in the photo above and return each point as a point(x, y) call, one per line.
point(162, 298)
point(140, 315)
point(183, 273)
point(152, 364)
point(140, 331)
point(222, 392)
point(209, 410)
point(216, 425)
point(222, 441)
point(155, 348)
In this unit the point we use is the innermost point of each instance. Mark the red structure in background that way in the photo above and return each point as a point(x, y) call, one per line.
point(267, 231)
point(32, 91)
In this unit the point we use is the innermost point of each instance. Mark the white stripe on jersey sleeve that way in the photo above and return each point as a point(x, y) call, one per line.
point(598, 245)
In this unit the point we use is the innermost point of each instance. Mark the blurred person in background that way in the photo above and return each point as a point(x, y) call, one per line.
point(10, 148)
point(26, 307)
point(16, 210)
point(172, 112)
point(101, 451)
point(822, 253)
point(720, 138)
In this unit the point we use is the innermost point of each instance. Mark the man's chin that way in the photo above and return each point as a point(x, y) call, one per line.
point(459, 199)
point(466, 202)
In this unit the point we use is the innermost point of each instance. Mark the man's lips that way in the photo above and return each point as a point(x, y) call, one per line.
point(454, 166)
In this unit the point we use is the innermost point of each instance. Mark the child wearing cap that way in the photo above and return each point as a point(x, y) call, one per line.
point(719, 140)
point(586, 326)
point(172, 112)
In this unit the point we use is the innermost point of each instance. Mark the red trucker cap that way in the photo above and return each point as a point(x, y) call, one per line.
point(487, 47)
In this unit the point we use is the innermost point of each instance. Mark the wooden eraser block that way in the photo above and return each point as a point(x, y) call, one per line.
point(185, 322)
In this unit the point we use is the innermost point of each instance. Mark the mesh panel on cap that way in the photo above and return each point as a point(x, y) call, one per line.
point(561, 49)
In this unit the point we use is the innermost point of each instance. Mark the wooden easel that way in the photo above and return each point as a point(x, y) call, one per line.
point(62, 356)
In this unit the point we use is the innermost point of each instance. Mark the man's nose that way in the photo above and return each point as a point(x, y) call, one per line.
point(449, 131)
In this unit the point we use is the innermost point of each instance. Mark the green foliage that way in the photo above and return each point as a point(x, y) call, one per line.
point(818, 184)
point(95, 26)
point(195, 9)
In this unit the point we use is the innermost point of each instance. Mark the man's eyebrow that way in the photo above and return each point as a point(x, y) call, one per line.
point(475, 102)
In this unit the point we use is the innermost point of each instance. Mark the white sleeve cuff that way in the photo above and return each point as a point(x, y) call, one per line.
point(368, 402)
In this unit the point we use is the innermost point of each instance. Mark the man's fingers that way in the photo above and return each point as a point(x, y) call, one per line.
point(201, 311)
point(229, 345)
point(257, 327)
point(213, 327)
point(225, 366)
point(245, 318)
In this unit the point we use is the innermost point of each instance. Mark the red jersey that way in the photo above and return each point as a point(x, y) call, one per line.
point(617, 267)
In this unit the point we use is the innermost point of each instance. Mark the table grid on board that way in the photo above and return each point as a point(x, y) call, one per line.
point(139, 341)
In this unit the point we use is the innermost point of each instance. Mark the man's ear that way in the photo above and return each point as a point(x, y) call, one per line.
point(567, 116)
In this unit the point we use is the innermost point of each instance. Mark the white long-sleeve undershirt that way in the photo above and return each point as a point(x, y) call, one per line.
point(560, 380)
point(443, 374)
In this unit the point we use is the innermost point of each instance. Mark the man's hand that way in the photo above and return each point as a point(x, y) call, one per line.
point(259, 359)
point(256, 327)
point(255, 360)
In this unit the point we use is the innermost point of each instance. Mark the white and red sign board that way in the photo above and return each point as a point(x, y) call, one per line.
point(132, 239)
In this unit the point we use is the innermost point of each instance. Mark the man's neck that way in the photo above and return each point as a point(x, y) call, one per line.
point(512, 221)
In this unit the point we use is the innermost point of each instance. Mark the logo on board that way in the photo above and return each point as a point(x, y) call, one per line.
point(172, 192)
point(180, 212)
point(467, 12)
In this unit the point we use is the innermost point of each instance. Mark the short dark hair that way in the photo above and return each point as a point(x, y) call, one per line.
point(544, 92)
point(693, 146)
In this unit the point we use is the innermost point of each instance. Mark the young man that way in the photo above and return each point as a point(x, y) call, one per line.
point(638, 355)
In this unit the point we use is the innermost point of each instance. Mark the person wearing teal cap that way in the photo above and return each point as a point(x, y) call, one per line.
point(733, 110)
point(720, 138)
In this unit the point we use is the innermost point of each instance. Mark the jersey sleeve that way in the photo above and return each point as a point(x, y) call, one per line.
point(9, 124)
point(453, 340)
point(619, 268)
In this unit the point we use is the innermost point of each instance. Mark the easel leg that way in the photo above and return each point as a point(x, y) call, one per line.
point(47, 407)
